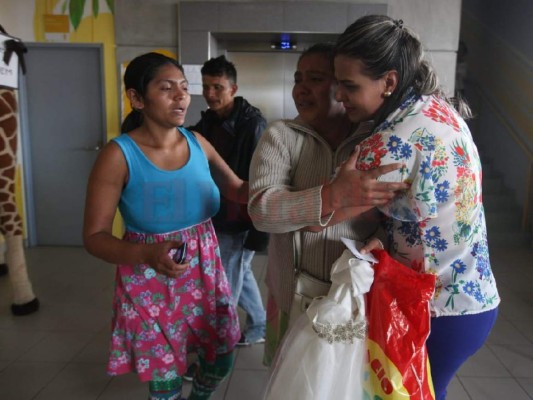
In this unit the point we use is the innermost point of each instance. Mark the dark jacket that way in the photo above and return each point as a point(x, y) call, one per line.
point(244, 126)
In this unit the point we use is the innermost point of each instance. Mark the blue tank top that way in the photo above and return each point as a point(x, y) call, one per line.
point(159, 201)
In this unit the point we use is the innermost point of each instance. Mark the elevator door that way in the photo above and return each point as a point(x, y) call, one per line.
point(266, 80)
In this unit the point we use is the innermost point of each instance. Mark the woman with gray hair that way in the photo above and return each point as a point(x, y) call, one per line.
point(294, 196)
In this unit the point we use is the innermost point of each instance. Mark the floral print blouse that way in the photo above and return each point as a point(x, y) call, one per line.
point(438, 225)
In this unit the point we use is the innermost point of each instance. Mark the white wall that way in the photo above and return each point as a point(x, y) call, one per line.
point(16, 16)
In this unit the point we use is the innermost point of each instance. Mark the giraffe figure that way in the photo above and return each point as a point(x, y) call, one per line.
point(24, 300)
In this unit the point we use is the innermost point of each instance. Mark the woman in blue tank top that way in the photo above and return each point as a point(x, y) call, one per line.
point(165, 182)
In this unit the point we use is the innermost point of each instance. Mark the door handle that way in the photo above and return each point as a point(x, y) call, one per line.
point(95, 148)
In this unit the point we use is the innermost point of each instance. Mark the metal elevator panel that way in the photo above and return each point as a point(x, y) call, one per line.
point(265, 80)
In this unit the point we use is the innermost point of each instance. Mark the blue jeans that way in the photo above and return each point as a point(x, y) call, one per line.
point(237, 262)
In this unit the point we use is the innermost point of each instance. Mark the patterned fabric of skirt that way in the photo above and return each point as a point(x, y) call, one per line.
point(157, 320)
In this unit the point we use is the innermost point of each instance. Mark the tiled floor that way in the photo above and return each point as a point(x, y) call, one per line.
point(60, 352)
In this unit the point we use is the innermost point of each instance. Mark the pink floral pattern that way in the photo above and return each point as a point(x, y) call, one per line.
point(157, 320)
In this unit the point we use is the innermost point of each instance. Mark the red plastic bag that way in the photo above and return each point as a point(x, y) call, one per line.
point(399, 324)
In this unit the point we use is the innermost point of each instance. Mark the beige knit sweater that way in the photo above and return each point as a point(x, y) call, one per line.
point(285, 197)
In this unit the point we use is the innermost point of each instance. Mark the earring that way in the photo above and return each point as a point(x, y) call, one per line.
point(387, 93)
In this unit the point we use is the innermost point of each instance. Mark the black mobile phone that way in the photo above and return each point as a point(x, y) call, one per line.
point(181, 253)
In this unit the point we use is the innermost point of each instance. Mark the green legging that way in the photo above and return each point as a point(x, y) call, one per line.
point(210, 376)
point(207, 379)
point(166, 390)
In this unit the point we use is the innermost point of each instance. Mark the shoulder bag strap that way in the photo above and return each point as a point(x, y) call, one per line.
point(297, 235)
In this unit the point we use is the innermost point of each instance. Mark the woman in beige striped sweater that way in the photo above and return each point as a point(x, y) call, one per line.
point(297, 192)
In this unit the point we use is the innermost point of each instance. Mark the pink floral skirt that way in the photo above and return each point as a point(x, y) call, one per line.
point(158, 320)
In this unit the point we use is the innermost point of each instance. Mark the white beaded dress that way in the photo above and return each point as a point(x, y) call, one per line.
point(323, 353)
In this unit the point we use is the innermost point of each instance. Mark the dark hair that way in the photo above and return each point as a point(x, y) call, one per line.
point(139, 73)
point(219, 67)
point(326, 48)
point(384, 44)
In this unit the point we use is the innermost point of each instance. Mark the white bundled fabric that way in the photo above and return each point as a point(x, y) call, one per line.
point(323, 355)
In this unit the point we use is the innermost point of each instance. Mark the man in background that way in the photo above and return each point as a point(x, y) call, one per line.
point(233, 126)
